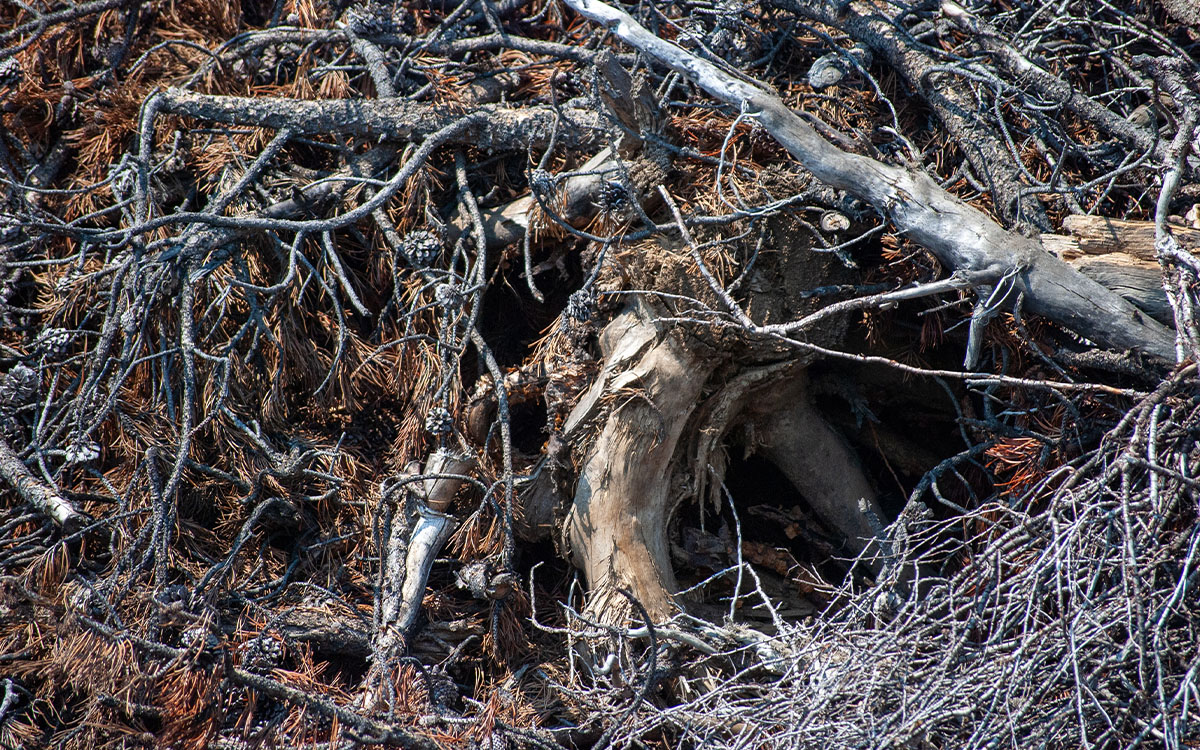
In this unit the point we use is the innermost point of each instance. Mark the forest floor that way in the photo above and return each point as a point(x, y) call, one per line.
point(560, 374)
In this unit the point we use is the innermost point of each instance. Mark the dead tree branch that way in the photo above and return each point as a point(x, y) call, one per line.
point(495, 127)
point(961, 237)
point(37, 493)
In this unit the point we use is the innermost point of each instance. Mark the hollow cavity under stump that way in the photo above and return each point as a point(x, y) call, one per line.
point(661, 416)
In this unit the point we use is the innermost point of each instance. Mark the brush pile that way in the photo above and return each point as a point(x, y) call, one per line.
point(560, 374)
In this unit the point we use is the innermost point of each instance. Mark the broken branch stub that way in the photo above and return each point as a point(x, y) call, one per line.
point(1121, 256)
point(417, 530)
point(960, 236)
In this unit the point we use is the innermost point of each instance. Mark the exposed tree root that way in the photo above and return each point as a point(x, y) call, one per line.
point(291, 292)
point(660, 442)
point(817, 461)
point(625, 497)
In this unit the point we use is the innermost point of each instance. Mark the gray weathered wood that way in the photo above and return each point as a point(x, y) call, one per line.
point(960, 236)
point(499, 127)
point(37, 493)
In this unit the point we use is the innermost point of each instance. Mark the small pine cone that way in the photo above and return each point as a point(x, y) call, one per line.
point(439, 421)
point(174, 593)
point(261, 654)
point(443, 692)
point(81, 451)
point(474, 578)
point(578, 316)
point(422, 247)
point(18, 387)
point(449, 296)
point(200, 639)
point(52, 342)
point(85, 601)
point(541, 182)
point(11, 74)
point(122, 179)
point(613, 197)
point(581, 306)
point(722, 39)
point(370, 21)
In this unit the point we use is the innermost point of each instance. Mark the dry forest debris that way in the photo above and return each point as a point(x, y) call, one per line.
point(526, 374)
point(962, 237)
point(42, 496)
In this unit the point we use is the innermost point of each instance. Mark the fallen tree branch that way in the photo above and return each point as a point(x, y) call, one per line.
point(960, 236)
point(1180, 268)
point(493, 126)
point(416, 529)
point(949, 95)
point(40, 495)
point(1050, 86)
point(817, 462)
point(578, 196)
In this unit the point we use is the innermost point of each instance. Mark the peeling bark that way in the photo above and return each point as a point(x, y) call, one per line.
point(1120, 255)
point(1099, 235)
point(659, 442)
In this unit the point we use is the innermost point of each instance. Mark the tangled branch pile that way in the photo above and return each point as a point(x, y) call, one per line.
point(1058, 617)
point(718, 344)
